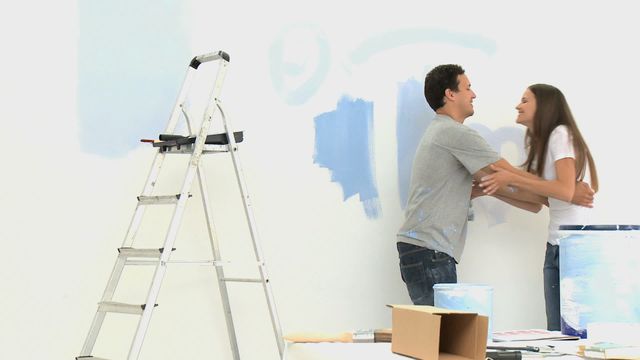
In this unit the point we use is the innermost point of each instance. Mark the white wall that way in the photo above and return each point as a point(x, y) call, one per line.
point(64, 211)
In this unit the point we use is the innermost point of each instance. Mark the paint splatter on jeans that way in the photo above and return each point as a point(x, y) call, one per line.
point(421, 268)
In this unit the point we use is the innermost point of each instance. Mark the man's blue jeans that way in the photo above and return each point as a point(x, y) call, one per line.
point(551, 273)
point(422, 268)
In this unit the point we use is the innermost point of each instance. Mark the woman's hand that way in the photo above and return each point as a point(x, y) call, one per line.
point(476, 190)
point(500, 178)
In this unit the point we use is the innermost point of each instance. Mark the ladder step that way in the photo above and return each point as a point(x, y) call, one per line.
point(243, 280)
point(129, 252)
point(157, 200)
point(122, 308)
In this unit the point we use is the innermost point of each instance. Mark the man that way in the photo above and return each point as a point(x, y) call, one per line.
point(448, 160)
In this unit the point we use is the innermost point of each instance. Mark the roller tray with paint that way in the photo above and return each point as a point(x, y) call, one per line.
point(167, 140)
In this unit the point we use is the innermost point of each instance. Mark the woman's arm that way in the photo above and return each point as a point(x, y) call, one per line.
point(561, 188)
point(524, 205)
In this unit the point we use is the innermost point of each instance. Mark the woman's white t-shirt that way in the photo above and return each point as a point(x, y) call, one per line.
point(561, 212)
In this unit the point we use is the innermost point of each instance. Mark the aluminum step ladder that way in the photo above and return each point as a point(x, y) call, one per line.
point(196, 145)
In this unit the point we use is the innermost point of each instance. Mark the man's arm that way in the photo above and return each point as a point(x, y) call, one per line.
point(583, 195)
point(510, 192)
point(524, 205)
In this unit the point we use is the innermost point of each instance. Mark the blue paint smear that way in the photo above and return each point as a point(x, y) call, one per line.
point(132, 57)
point(413, 117)
point(282, 69)
point(401, 37)
point(344, 145)
point(503, 135)
point(496, 211)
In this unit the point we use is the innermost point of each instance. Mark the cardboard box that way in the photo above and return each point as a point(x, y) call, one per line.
point(431, 333)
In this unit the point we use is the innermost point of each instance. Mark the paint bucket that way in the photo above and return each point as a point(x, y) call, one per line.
point(467, 297)
point(599, 282)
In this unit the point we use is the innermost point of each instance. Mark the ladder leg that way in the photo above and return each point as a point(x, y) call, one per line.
point(98, 318)
point(222, 285)
point(275, 322)
point(145, 319)
point(215, 249)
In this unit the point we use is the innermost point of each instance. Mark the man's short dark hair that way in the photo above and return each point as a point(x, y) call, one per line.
point(439, 79)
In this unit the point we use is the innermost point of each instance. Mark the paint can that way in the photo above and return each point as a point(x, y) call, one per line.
point(475, 298)
point(599, 282)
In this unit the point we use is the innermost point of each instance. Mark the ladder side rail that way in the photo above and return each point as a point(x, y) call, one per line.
point(138, 214)
point(161, 269)
point(158, 160)
point(182, 95)
point(215, 249)
point(143, 323)
point(253, 232)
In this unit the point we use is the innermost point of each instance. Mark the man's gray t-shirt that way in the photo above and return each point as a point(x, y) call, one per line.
point(439, 194)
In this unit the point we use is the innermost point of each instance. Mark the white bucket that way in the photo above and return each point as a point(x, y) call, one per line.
point(599, 276)
point(466, 297)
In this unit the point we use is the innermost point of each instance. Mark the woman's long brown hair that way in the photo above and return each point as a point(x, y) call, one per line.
point(552, 110)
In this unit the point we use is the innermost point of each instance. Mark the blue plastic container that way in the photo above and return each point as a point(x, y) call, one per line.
point(599, 276)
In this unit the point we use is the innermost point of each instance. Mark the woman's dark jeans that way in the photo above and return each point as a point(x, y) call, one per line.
point(551, 273)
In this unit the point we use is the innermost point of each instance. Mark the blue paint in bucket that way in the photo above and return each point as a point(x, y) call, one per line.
point(599, 282)
point(466, 297)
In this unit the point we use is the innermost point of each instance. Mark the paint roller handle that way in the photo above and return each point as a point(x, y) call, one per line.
point(358, 336)
point(521, 348)
point(317, 337)
point(196, 61)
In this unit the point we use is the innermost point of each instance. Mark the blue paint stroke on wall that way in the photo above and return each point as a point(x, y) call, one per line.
point(413, 117)
point(344, 145)
point(401, 37)
point(294, 75)
point(132, 56)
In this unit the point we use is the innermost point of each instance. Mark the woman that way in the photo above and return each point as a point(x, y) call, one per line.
point(559, 156)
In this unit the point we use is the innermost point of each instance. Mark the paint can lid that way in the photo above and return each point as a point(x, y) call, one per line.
point(448, 286)
point(599, 227)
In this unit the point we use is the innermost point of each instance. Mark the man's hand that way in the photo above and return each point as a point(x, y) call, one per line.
point(583, 195)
